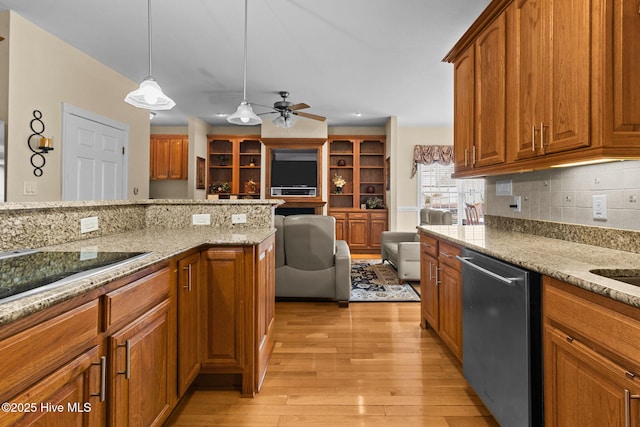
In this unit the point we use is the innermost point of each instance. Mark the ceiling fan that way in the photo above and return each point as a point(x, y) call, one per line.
point(288, 109)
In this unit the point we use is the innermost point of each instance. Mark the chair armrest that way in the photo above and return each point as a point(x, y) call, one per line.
point(408, 251)
point(343, 271)
point(398, 236)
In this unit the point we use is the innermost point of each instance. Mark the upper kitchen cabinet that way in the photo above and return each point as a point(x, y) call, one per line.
point(169, 155)
point(550, 42)
point(563, 92)
point(480, 100)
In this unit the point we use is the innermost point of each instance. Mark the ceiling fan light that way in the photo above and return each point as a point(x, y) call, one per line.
point(244, 115)
point(149, 96)
point(284, 122)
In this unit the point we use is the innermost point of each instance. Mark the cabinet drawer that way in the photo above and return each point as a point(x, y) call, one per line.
point(358, 215)
point(35, 352)
point(130, 301)
point(447, 254)
point(339, 215)
point(429, 245)
point(604, 324)
point(378, 215)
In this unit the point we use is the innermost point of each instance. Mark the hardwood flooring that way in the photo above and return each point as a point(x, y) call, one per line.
point(366, 365)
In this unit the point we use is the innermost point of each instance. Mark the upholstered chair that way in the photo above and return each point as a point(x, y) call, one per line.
point(310, 262)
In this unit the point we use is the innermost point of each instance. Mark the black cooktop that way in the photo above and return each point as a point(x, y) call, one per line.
point(30, 271)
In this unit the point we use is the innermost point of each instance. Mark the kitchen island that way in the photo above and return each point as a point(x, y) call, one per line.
point(125, 343)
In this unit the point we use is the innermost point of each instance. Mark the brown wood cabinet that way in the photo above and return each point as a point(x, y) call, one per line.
point(189, 284)
point(441, 290)
point(236, 160)
point(238, 305)
point(480, 100)
point(591, 365)
point(169, 157)
point(568, 75)
point(141, 351)
point(361, 228)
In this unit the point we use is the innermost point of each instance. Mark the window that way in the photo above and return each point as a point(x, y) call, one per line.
point(436, 189)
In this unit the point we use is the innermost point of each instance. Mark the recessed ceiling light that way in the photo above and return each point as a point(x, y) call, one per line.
point(221, 114)
point(357, 114)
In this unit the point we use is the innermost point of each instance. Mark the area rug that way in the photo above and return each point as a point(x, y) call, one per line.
point(373, 281)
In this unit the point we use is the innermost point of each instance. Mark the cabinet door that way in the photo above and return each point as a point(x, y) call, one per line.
point(162, 158)
point(429, 299)
point(188, 322)
point(71, 396)
point(358, 233)
point(568, 75)
point(490, 101)
point(178, 158)
point(463, 104)
point(450, 294)
point(222, 298)
point(377, 225)
point(583, 388)
point(527, 49)
point(265, 307)
point(340, 229)
point(140, 386)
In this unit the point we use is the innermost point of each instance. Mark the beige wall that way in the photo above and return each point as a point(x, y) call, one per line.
point(4, 65)
point(44, 72)
point(197, 148)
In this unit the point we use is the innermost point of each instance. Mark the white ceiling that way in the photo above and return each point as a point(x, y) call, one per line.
point(380, 58)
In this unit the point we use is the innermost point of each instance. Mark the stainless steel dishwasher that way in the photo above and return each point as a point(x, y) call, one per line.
point(501, 338)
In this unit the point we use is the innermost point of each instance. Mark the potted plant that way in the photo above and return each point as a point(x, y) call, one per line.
point(220, 188)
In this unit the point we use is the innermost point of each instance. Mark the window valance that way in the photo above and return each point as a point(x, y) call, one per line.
point(429, 154)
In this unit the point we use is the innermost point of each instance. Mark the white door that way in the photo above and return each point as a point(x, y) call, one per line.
point(94, 165)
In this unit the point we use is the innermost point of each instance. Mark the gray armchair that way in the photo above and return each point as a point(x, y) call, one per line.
point(402, 248)
point(310, 262)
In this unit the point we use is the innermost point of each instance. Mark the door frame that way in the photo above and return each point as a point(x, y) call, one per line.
point(69, 110)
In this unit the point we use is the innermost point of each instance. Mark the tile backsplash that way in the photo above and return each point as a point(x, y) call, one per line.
point(566, 194)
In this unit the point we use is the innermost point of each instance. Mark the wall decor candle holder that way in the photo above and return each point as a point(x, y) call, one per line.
point(44, 144)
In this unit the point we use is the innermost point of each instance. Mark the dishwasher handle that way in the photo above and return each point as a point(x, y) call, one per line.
point(505, 280)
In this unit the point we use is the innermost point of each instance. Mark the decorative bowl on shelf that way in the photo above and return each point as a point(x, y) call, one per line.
point(341, 162)
point(371, 189)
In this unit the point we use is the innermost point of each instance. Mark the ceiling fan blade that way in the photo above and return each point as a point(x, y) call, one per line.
point(310, 116)
point(300, 106)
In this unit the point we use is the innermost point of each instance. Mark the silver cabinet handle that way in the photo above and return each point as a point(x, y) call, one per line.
point(466, 157)
point(473, 155)
point(533, 138)
point(103, 378)
point(542, 127)
point(127, 358)
point(445, 254)
point(430, 271)
point(437, 276)
point(627, 406)
point(188, 268)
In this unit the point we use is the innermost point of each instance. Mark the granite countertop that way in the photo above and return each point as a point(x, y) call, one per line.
point(566, 261)
point(161, 243)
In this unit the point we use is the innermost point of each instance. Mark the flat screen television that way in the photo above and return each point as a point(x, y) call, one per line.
point(294, 168)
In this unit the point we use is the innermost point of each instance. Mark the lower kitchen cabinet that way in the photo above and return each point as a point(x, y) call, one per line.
point(141, 352)
point(238, 304)
point(188, 289)
point(441, 290)
point(591, 358)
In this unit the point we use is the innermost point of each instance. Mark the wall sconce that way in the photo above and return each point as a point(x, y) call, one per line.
point(44, 144)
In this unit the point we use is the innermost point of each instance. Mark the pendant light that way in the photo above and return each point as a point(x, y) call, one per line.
point(244, 115)
point(149, 95)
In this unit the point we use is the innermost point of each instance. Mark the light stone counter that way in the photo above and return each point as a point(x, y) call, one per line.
point(161, 243)
point(564, 260)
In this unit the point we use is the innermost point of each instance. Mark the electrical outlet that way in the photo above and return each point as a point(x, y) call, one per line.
point(600, 207)
point(504, 187)
point(30, 188)
point(238, 218)
point(89, 224)
point(201, 219)
point(517, 204)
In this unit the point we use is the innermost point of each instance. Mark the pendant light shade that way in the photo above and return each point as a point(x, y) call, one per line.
point(149, 95)
point(244, 115)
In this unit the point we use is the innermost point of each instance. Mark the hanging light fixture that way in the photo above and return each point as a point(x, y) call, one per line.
point(244, 115)
point(284, 120)
point(149, 95)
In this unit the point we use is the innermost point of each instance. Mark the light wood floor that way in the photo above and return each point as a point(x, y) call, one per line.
point(367, 365)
